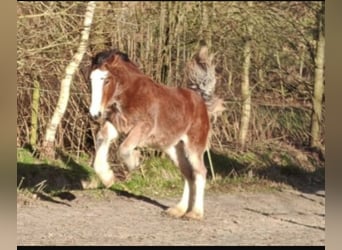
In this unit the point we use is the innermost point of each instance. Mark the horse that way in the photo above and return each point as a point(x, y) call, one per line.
point(175, 120)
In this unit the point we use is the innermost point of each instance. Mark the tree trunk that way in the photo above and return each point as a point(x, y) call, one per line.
point(316, 116)
point(161, 44)
point(48, 143)
point(246, 97)
point(180, 13)
point(206, 30)
point(34, 113)
point(301, 63)
point(245, 89)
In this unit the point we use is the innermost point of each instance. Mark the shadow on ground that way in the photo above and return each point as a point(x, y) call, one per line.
point(48, 177)
point(302, 180)
point(49, 182)
point(139, 197)
point(292, 174)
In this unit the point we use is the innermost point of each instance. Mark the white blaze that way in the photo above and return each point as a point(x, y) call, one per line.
point(97, 78)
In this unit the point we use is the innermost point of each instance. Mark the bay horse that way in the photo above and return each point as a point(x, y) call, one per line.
point(171, 119)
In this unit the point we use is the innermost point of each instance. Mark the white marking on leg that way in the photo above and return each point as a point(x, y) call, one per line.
point(130, 156)
point(111, 131)
point(107, 133)
point(183, 203)
point(199, 193)
point(199, 171)
point(101, 165)
point(97, 81)
point(172, 153)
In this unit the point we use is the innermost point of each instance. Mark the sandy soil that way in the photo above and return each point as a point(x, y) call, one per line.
point(89, 218)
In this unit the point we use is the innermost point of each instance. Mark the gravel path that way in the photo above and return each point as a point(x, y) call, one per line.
point(277, 218)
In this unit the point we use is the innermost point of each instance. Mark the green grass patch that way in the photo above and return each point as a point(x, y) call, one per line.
point(24, 155)
point(157, 176)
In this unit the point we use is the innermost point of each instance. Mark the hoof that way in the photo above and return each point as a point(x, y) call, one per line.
point(174, 212)
point(108, 180)
point(192, 215)
point(109, 183)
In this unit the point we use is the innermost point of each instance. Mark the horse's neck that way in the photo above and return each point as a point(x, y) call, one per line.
point(125, 80)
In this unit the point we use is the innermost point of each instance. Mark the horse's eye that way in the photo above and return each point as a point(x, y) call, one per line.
point(106, 81)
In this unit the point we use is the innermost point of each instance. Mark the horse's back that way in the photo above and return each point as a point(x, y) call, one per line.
point(182, 113)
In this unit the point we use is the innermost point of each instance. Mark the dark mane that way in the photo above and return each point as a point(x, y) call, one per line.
point(103, 56)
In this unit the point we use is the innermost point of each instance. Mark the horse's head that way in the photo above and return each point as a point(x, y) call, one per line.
point(107, 68)
point(102, 81)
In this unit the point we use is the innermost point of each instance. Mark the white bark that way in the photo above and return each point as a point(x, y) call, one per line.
point(69, 73)
point(246, 97)
point(245, 88)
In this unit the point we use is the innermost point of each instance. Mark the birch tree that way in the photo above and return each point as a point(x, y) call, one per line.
point(49, 139)
point(245, 88)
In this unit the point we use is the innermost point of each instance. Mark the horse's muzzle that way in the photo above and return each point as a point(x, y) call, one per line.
point(95, 116)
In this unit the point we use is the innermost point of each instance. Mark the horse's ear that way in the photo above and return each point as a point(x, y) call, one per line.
point(109, 62)
point(110, 59)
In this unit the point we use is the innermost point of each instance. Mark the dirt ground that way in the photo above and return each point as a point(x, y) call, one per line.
point(88, 218)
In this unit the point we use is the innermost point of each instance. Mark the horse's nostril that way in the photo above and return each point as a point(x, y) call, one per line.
point(92, 115)
point(95, 117)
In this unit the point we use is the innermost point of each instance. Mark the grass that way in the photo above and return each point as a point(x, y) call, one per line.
point(266, 168)
point(24, 155)
point(156, 177)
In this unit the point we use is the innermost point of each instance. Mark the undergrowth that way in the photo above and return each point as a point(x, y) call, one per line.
point(264, 168)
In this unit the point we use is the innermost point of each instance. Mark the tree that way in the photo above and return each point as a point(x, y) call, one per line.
point(48, 143)
point(316, 116)
point(34, 114)
point(245, 89)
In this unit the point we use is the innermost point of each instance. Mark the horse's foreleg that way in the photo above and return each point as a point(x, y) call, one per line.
point(127, 150)
point(103, 139)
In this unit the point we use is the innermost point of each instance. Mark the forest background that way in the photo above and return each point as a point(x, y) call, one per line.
point(270, 71)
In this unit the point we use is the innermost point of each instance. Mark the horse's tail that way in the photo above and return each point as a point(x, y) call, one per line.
point(201, 78)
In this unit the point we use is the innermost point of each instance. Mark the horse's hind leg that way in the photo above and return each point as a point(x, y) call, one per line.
point(192, 166)
point(199, 172)
point(103, 139)
point(177, 155)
